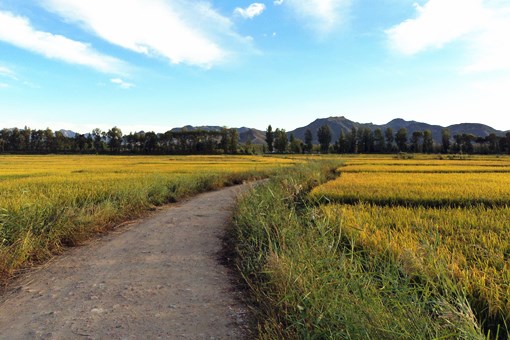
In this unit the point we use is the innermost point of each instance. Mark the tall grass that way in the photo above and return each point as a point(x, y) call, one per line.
point(310, 281)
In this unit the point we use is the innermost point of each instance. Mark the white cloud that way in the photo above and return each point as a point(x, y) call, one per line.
point(178, 30)
point(483, 26)
point(7, 72)
point(319, 15)
point(122, 84)
point(438, 22)
point(18, 31)
point(278, 2)
point(251, 11)
point(3, 86)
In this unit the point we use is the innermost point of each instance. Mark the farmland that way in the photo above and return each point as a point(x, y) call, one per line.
point(331, 247)
point(421, 242)
point(49, 202)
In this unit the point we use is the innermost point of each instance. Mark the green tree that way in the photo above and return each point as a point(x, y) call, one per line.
point(390, 139)
point(366, 138)
point(415, 141)
point(445, 140)
point(492, 139)
point(280, 140)
point(270, 138)
point(295, 145)
point(308, 140)
point(233, 140)
point(114, 139)
point(324, 138)
point(401, 139)
point(507, 136)
point(353, 140)
point(97, 135)
point(378, 141)
point(151, 142)
point(428, 142)
point(343, 143)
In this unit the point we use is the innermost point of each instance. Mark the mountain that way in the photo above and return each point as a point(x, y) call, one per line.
point(67, 133)
point(337, 124)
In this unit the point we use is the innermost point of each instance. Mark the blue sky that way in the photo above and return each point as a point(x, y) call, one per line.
point(158, 64)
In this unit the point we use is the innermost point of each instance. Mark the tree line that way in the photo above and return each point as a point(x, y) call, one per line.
point(226, 141)
point(365, 140)
point(33, 141)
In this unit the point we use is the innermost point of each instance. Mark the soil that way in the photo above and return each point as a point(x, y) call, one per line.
point(158, 278)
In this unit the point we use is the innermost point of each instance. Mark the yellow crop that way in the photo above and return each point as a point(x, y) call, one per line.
point(472, 242)
point(432, 216)
point(50, 200)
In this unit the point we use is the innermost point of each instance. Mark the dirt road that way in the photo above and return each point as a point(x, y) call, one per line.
point(159, 278)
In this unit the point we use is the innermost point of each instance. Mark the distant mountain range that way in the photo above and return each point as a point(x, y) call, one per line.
point(338, 124)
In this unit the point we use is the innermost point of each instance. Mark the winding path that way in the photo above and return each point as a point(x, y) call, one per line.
point(158, 278)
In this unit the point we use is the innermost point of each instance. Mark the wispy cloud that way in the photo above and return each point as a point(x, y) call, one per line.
point(251, 11)
point(320, 15)
point(180, 31)
point(122, 84)
point(17, 30)
point(278, 2)
point(483, 27)
point(3, 86)
point(7, 72)
point(437, 23)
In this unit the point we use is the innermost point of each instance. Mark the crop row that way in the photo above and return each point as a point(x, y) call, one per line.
point(471, 244)
point(426, 189)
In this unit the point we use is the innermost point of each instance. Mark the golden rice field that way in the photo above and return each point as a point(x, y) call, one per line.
point(432, 223)
point(51, 201)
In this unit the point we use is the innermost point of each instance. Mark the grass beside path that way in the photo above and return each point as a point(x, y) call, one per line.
point(309, 281)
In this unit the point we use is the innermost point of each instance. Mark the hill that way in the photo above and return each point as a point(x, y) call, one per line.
point(337, 124)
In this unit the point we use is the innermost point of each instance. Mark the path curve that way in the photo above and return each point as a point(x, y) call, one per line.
point(158, 278)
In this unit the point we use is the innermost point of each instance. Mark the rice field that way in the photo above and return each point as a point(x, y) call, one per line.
point(435, 218)
point(48, 202)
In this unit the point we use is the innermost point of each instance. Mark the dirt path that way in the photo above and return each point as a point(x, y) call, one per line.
point(157, 278)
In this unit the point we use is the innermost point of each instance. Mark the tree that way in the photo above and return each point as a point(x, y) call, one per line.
point(428, 142)
point(467, 143)
point(224, 139)
point(401, 139)
point(445, 140)
point(366, 140)
point(508, 142)
point(295, 144)
point(388, 133)
point(343, 143)
point(151, 142)
point(308, 140)
point(97, 134)
point(280, 140)
point(493, 143)
point(324, 137)
point(114, 139)
point(233, 139)
point(269, 138)
point(415, 141)
point(378, 141)
point(353, 140)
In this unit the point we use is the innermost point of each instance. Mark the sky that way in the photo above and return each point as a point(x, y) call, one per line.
point(157, 64)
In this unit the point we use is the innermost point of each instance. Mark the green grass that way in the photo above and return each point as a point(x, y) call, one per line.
point(309, 281)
